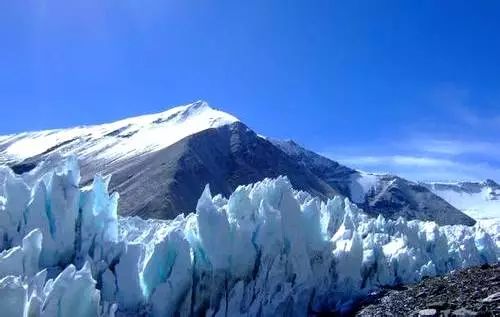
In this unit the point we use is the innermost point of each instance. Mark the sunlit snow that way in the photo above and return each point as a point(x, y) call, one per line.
point(482, 204)
point(120, 139)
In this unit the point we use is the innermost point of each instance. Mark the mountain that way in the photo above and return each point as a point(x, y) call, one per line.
point(389, 195)
point(480, 200)
point(160, 164)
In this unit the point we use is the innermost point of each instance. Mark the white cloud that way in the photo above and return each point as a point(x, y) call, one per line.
point(477, 120)
point(460, 106)
point(401, 160)
point(421, 168)
point(454, 147)
point(419, 161)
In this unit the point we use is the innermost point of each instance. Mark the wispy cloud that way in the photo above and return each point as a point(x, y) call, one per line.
point(459, 104)
point(400, 160)
point(421, 168)
point(475, 119)
point(445, 146)
point(458, 141)
point(423, 158)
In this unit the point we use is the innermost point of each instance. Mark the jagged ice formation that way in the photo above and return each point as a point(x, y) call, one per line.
point(266, 250)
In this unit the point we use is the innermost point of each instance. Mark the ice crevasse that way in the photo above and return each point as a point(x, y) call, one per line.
point(266, 250)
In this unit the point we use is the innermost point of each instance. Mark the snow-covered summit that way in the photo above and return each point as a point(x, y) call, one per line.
point(117, 140)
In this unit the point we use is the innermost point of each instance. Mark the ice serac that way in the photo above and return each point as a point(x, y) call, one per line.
point(13, 296)
point(47, 241)
point(265, 250)
point(72, 293)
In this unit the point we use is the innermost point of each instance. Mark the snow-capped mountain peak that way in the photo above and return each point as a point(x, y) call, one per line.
point(161, 162)
point(117, 140)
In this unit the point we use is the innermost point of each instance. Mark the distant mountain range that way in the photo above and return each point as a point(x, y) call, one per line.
point(160, 164)
point(480, 200)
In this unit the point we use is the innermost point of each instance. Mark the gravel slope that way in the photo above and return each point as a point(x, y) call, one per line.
point(470, 292)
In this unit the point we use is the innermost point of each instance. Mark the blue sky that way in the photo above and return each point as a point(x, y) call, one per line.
point(409, 87)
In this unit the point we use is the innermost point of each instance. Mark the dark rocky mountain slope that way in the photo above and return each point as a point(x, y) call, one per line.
point(160, 164)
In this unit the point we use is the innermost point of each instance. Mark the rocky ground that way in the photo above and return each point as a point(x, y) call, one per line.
point(469, 292)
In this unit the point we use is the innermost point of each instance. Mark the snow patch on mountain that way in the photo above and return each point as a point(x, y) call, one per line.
point(385, 194)
point(361, 184)
point(265, 250)
point(480, 200)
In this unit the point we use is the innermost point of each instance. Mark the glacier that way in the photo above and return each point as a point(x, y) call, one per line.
point(265, 250)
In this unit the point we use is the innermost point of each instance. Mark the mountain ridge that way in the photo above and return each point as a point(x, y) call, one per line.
point(118, 139)
point(160, 164)
point(385, 194)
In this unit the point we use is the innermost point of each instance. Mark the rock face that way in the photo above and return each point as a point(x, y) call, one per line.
point(160, 164)
point(388, 195)
point(469, 292)
point(171, 180)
